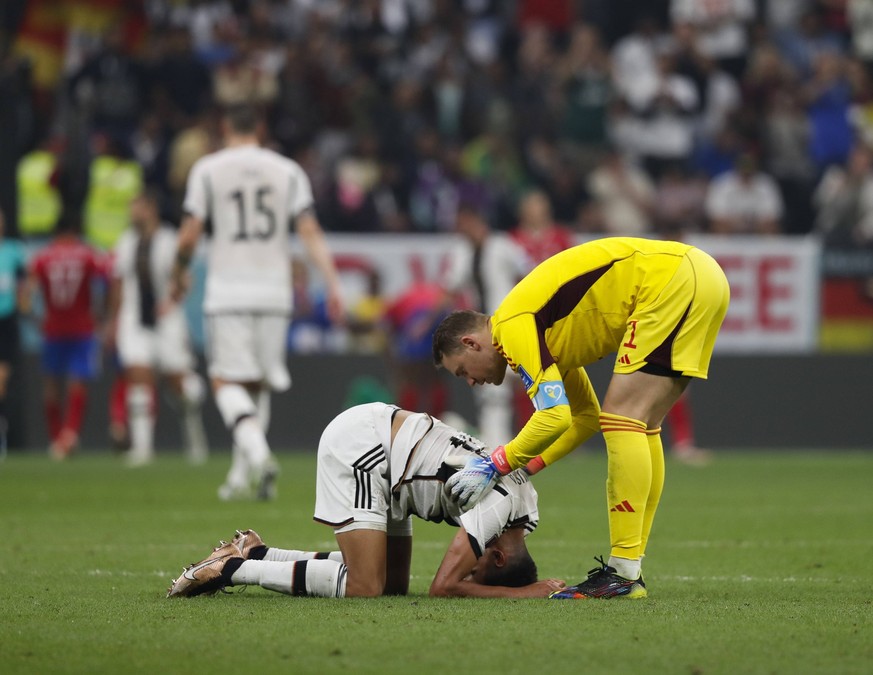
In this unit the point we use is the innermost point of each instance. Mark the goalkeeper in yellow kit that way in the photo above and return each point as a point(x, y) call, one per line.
point(659, 306)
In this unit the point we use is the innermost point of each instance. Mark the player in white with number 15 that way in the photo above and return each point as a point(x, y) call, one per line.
point(251, 197)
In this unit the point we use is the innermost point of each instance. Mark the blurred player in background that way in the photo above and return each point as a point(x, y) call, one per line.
point(13, 269)
point(151, 334)
point(659, 305)
point(65, 273)
point(378, 466)
point(251, 197)
point(681, 427)
point(412, 317)
point(536, 232)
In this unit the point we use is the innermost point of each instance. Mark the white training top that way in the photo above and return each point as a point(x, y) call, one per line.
point(251, 196)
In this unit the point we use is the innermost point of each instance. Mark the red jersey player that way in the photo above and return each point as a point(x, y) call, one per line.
point(65, 272)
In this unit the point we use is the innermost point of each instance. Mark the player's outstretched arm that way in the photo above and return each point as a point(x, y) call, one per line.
point(584, 417)
point(310, 233)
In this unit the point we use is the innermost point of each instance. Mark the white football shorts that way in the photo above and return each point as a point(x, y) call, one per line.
point(164, 347)
point(248, 347)
point(352, 487)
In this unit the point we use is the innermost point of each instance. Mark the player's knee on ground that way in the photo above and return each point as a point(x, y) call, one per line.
point(362, 585)
point(365, 589)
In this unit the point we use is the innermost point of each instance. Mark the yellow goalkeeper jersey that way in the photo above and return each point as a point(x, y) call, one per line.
point(650, 301)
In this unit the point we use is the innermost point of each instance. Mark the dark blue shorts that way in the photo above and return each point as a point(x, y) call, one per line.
point(73, 357)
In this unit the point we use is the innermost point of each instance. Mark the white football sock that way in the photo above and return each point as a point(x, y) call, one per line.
point(262, 402)
point(250, 438)
point(239, 414)
point(286, 555)
point(318, 578)
point(196, 444)
point(193, 393)
point(629, 569)
point(142, 420)
point(238, 475)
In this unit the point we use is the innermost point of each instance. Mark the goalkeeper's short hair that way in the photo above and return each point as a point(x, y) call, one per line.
point(519, 570)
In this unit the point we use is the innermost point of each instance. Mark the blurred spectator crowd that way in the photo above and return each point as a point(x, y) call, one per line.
point(646, 117)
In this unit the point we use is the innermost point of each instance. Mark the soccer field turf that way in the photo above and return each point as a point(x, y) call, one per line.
point(759, 563)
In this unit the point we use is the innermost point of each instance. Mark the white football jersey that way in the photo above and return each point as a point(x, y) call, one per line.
point(161, 258)
point(251, 196)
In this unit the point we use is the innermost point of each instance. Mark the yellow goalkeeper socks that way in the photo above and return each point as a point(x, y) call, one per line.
point(628, 482)
point(656, 452)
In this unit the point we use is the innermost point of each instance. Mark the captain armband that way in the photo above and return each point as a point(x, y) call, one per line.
point(550, 394)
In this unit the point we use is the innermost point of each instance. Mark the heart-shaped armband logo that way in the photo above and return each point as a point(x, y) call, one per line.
point(553, 390)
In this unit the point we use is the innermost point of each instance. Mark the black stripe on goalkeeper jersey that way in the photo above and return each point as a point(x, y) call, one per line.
point(662, 355)
point(363, 484)
point(561, 304)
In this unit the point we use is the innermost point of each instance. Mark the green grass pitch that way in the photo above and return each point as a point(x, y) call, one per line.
point(759, 563)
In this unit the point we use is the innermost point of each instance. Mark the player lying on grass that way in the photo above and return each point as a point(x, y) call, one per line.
point(378, 466)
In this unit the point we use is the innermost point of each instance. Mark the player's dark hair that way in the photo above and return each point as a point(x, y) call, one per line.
point(447, 336)
point(242, 118)
point(519, 570)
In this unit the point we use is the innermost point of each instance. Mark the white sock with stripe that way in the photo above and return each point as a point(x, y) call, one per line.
point(317, 578)
point(290, 555)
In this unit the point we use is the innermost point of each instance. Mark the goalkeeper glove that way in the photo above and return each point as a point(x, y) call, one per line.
point(468, 485)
